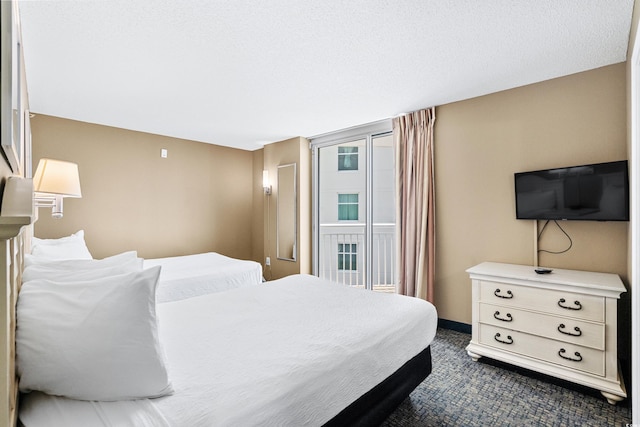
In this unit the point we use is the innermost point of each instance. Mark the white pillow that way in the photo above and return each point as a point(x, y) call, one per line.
point(70, 247)
point(94, 340)
point(79, 235)
point(65, 275)
point(64, 251)
point(82, 269)
point(114, 260)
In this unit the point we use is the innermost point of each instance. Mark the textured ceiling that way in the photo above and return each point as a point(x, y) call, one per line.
point(245, 73)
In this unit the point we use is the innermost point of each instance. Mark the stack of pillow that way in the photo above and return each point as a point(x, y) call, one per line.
point(86, 328)
point(69, 247)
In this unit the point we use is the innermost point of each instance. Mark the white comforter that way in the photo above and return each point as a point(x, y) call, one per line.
point(193, 275)
point(292, 352)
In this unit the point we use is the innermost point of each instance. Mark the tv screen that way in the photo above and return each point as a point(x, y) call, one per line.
point(597, 192)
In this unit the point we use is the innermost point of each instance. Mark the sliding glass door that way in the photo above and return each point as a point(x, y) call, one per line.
point(342, 212)
point(354, 206)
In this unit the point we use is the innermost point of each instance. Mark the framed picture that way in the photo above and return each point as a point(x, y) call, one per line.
point(14, 90)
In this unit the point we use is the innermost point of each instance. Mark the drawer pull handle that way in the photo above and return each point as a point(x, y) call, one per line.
point(578, 306)
point(496, 315)
point(577, 329)
point(497, 336)
point(508, 296)
point(562, 351)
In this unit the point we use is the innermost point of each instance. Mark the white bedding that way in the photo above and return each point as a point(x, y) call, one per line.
point(39, 409)
point(193, 275)
point(291, 352)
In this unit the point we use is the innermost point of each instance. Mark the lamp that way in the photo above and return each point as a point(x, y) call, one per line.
point(265, 182)
point(54, 180)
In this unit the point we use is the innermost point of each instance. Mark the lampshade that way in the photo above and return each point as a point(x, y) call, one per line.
point(57, 177)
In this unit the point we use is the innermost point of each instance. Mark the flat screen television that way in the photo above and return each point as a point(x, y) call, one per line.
point(597, 192)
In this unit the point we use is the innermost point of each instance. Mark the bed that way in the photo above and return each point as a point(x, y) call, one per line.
point(181, 276)
point(295, 351)
point(93, 347)
point(193, 275)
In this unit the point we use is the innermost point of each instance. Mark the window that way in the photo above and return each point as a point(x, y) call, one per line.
point(347, 158)
point(347, 207)
point(347, 256)
point(355, 207)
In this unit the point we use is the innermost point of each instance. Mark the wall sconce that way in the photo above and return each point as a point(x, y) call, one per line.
point(54, 180)
point(265, 182)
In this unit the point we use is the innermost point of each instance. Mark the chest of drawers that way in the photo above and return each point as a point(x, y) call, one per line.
point(562, 324)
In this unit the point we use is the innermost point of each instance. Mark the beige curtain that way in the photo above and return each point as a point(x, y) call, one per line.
point(415, 209)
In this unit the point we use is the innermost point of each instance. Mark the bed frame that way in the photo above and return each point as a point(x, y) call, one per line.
point(15, 216)
point(372, 408)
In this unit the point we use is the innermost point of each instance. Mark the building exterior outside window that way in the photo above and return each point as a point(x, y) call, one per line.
point(345, 201)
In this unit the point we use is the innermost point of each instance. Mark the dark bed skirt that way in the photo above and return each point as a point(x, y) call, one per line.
point(372, 408)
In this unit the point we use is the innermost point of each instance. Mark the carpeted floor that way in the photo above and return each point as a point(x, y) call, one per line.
point(460, 392)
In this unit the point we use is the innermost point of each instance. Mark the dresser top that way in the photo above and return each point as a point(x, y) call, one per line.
point(608, 282)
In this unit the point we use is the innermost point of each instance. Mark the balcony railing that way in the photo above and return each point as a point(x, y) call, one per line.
point(332, 236)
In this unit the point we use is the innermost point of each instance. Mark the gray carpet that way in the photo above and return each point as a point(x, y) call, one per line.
point(460, 392)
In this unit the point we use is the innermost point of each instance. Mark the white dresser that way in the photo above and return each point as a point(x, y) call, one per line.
point(562, 324)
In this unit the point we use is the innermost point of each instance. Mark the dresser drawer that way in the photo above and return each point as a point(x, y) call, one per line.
point(564, 354)
point(561, 303)
point(586, 334)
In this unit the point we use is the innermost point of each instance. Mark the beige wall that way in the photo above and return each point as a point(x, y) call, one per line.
point(198, 199)
point(295, 150)
point(481, 142)
point(216, 193)
point(257, 217)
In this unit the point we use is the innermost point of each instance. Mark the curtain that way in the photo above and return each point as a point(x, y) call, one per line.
point(415, 208)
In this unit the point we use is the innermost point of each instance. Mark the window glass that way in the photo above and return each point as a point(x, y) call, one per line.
point(347, 158)
point(347, 256)
point(347, 207)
